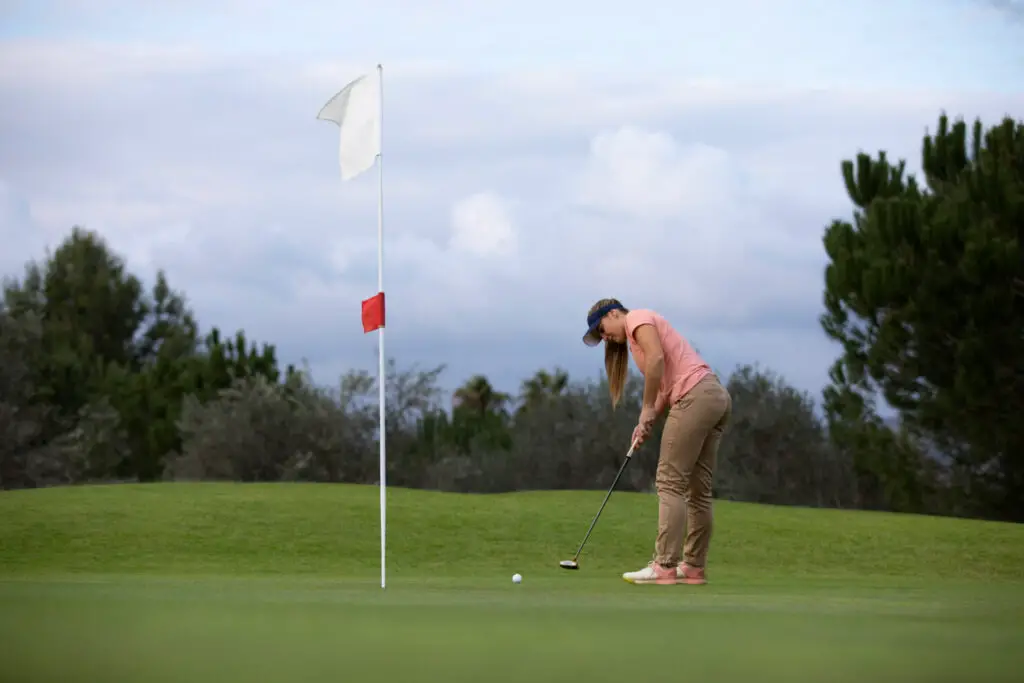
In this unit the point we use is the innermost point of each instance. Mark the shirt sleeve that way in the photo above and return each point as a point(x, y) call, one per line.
point(635, 319)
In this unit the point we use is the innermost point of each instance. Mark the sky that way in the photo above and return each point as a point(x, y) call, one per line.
point(677, 155)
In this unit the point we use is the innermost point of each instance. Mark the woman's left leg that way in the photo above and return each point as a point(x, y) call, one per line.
point(699, 500)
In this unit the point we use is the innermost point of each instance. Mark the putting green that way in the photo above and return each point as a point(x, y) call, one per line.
point(212, 582)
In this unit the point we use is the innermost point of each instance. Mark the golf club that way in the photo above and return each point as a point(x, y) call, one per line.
point(574, 562)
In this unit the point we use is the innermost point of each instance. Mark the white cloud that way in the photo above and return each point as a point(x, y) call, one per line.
point(649, 176)
point(958, 43)
point(482, 226)
point(707, 203)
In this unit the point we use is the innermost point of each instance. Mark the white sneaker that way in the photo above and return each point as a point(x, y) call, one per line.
point(653, 573)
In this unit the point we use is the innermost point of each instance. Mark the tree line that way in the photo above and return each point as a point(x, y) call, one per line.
point(103, 379)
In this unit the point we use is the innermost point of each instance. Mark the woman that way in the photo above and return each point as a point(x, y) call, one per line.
point(674, 375)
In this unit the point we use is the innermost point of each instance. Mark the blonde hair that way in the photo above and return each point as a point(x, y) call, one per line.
point(616, 358)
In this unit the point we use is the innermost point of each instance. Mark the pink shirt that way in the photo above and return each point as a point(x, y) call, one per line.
point(683, 366)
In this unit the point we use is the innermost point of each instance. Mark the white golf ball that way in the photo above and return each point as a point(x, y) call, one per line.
point(517, 578)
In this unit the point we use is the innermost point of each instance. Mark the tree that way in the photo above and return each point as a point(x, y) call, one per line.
point(90, 309)
point(479, 415)
point(261, 430)
point(479, 398)
point(109, 349)
point(889, 468)
point(925, 292)
point(776, 449)
point(417, 426)
point(38, 447)
point(577, 441)
point(542, 387)
point(21, 420)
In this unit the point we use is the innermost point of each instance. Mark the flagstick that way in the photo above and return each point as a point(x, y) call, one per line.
point(381, 370)
point(352, 109)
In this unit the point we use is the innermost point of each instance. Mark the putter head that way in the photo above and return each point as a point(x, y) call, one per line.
point(569, 564)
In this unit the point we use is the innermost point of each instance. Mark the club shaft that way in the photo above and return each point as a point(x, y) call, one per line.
point(629, 456)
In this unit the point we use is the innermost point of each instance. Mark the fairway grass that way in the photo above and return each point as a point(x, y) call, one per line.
point(246, 582)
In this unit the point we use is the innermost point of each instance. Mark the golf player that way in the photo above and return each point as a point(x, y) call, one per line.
point(675, 376)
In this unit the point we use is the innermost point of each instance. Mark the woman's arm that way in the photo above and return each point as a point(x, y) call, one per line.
point(654, 360)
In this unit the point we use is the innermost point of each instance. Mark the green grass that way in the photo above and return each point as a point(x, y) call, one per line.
point(229, 582)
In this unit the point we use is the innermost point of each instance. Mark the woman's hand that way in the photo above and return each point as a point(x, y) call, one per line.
point(643, 428)
point(639, 434)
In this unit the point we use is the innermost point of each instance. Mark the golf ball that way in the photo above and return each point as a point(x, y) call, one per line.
point(517, 578)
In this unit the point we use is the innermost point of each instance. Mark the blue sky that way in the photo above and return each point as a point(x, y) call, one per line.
point(679, 155)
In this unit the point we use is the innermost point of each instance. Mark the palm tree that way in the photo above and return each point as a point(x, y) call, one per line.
point(478, 397)
point(541, 387)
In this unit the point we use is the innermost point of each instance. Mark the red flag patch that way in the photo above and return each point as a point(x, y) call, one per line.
point(373, 312)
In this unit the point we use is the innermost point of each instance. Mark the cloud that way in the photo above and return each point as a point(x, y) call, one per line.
point(914, 43)
point(1012, 9)
point(482, 226)
point(646, 175)
point(513, 200)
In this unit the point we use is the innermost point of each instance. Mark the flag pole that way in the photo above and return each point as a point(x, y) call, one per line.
point(381, 369)
point(354, 110)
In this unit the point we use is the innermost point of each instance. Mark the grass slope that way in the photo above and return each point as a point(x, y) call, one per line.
point(225, 582)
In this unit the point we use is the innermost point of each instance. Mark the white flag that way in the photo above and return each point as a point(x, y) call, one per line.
point(356, 110)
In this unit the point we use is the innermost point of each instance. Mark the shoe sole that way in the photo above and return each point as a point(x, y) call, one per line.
point(678, 581)
point(653, 582)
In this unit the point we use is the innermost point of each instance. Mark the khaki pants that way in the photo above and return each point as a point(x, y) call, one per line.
point(686, 465)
